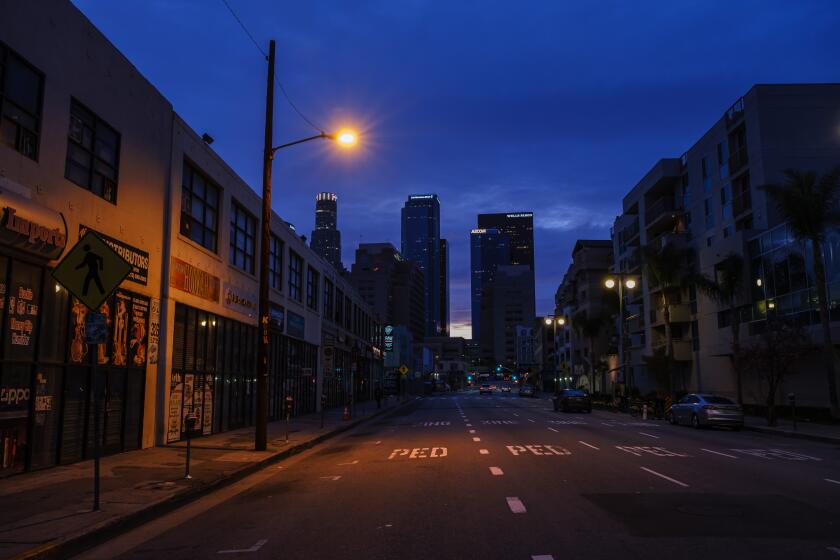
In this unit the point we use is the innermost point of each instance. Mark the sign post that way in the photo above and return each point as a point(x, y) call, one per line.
point(91, 271)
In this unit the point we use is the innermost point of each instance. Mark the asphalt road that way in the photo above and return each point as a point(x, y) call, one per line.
point(484, 477)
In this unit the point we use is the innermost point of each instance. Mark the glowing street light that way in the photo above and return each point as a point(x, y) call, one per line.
point(347, 138)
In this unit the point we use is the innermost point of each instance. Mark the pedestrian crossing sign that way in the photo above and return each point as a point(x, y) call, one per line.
point(91, 270)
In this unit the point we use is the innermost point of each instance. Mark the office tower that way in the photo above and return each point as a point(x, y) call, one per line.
point(444, 287)
point(519, 227)
point(508, 301)
point(326, 239)
point(421, 244)
point(489, 249)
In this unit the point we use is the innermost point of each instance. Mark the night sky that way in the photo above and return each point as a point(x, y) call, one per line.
point(556, 107)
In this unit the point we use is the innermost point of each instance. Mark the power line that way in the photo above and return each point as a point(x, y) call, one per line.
point(265, 55)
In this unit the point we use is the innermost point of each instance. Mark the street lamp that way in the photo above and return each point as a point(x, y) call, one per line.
point(554, 320)
point(621, 280)
point(344, 138)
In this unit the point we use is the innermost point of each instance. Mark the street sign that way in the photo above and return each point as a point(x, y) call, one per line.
point(403, 369)
point(96, 328)
point(91, 270)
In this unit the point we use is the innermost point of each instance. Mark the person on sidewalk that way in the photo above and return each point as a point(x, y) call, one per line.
point(377, 394)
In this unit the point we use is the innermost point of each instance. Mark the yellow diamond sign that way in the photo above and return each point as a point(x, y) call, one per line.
point(91, 270)
point(403, 369)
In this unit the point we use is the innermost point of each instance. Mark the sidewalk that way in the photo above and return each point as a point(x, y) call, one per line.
point(825, 433)
point(48, 513)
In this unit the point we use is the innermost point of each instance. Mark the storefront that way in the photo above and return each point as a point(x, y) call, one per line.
point(46, 409)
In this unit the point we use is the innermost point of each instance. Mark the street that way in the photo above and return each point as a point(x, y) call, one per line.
point(497, 476)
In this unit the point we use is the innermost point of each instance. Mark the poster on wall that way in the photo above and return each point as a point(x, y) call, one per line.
point(78, 346)
point(207, 424)
point(122, 306)
point(138, 335)
point(154, 331)
point(102, 349)
point(176, 390)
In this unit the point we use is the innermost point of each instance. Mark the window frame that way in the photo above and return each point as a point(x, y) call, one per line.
point(313, 286)
point(6, 53)
point(208, 183)
point(98, 123)
point(275, 262)
point(295, 280)
point(237, 209)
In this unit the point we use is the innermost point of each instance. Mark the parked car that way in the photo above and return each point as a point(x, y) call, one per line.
point(505, 388)
point(526, 391)
point(700, 410)
point(568, 400)
point(485, 388)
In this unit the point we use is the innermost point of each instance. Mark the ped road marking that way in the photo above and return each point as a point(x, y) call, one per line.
point(538, 450)
point(637, 450)
point(668, 478)
point(257, 545)
point(718, 453)
point(496, 471)
point(515, 505)
point(419, 453)
point(484, 452)
point(588, 445)
point(649, 435)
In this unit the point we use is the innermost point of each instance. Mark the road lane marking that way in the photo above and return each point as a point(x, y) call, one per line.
point(472, 431)
point(350, 463)
point(649, 435)
point(333, 477)
point(833, 549)
point(539, 450)
point(668, 478)
point(718, 453)
point(419, 453)
point(496, 471)
point(258, 545)
point(484, 451)
point(469, 425)
point(476, 439)
point(553, 430)
point(515, 414)
point(777, 454)
point(605, 424)
point(515, 505)
point(589, 445)
point(832, 481)
point(542, 557)
point(529, 420)
point(637, 450)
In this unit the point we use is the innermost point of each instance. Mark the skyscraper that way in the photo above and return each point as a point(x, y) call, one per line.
point(421, 244)
point(444, 287)
point(489, 249)
point(326, 239)
point(519, 227)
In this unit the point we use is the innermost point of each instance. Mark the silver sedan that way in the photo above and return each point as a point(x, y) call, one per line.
point(700, 410)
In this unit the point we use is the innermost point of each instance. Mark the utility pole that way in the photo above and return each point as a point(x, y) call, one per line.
point(261, 431)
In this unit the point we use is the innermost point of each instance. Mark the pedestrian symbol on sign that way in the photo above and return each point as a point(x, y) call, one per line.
point(93, 262)
point(91, 270)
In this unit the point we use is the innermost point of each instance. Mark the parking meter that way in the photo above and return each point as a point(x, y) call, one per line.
point(189, 429)
point(323, 407)
point(288, 404)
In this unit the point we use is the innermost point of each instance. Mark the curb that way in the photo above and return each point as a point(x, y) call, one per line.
point(76, 544)
point(791, 434)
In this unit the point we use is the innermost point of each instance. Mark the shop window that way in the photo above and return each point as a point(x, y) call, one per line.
point(21, 103)
point(243, 234)
point(275, 263)
point(14, 417)
point(93, 152)
point(295, 276)
point(312, 287)
point(199, 208)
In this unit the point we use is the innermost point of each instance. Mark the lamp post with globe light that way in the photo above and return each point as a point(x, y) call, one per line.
point(621, 281)
point(552, 320)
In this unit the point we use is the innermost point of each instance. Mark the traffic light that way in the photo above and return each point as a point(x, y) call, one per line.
point(514, 378)
point(469, 378)
point(499, 368)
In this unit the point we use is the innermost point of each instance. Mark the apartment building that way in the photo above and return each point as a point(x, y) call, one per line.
point(710, 200)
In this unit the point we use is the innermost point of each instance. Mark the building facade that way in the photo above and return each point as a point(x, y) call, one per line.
point(519, 227)
point(444, 287)
point(507, 302)
point(489, 249)
point(326, 238)
point(421, 244)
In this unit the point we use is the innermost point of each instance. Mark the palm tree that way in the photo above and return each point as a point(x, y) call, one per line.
point(589, 327)
point(726, 290)
point(809, 204)
point(667, 269)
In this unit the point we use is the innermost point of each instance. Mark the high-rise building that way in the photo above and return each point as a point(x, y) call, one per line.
point(421, 244)
point(519, 227)
point(508, 301)
point(444, 287)
point(391, 285)
point(326, 239)
point(489, 249)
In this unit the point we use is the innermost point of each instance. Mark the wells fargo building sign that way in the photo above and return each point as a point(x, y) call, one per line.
point(192, 280)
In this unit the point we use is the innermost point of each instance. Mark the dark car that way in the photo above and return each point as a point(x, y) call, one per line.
point(485, 388)
point(568, 400)
point(526, 391)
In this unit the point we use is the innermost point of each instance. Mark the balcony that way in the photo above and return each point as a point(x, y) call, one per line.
point(682, 349)
point(680, 239)
point(630, 233)
point(741, 202)
point(680, 313)
point(734, 113)
point(738, 160)
point(661, 211)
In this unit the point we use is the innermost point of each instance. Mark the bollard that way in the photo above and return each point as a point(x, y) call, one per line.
point(644, 411)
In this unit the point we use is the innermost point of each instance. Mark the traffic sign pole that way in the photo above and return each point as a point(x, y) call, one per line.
point(97, 430)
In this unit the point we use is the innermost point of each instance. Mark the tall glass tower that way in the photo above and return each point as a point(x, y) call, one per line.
point(326, 239)
point(421, 244)
point(489, 249)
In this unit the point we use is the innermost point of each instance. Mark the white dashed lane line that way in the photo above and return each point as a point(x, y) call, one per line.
point(832, 481)
point(553, 430)
point(649, 435)
point(476, 439)
point(529, 420)
point(496, 471)
point(589, 445)
point(484, 452)
point(542, 557)
point(515, 505)
point(719, 453)
point(833, 549)
point(472, 431)
point(668, 478)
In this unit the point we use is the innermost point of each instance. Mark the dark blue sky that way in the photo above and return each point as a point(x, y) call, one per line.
point(557, 107)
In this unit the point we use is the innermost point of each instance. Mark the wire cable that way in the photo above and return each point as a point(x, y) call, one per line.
point(276, 81)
